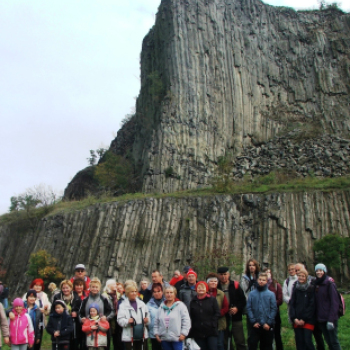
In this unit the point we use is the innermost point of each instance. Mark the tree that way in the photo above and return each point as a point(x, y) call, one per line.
point(99, 153)
point(2, 269)
point(43, 265)
point(329, 250)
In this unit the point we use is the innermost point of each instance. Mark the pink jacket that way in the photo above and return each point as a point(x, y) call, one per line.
point(21, 329)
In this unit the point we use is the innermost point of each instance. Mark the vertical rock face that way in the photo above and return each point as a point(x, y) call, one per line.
point(130, 239)
point(216, 73)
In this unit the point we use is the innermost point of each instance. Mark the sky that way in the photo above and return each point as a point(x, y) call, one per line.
point(69, 73)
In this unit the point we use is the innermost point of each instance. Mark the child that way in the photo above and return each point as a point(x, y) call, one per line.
point(34, 313)
point(60, 326)
point(95, 329)
point(21, 327)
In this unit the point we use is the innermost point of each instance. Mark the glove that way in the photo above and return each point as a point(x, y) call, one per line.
point(330, 326)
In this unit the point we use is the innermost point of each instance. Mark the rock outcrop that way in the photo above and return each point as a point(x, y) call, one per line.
point(129, 239)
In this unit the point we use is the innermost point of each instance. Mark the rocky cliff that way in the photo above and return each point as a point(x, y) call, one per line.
point(216, 74)
point(129, 239)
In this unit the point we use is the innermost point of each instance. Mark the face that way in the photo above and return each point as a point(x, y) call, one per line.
point(291, 270)
point(301, 278)
point(31, 300)
point(38, 288)
point(80, 273)
point(213, 284)
point(268, 274)
point(191, 279)
point(157, 293)
point(223, 277)
point(156, 277)
point(252, 267)
point(93, 312)
point(144, 285)
point(297, 268)
point(66, 289)
point(132, 294)
point(94, 288)
point(201, 290)
point(120, 289)
point(19, 309)
point(262, 281)
point(113, 286)
point(79, 288)
point(59, 309)
point(319, 273)
point(176, 274)
point(169, 295)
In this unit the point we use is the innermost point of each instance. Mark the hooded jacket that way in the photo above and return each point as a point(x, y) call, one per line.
point(125, 312)
point(179, 322)
point(147, 294)
point(105, 310)
point(21, 329)
point(153, 311)
point(262, 306)
point(98, 337)
point(35, 316)
point(187, 293)
point(75, 303)
point(62, 323)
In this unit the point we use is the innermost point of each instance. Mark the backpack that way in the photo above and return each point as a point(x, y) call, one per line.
point(342, 305)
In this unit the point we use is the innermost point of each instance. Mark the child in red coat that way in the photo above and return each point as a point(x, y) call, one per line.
point(95, 329)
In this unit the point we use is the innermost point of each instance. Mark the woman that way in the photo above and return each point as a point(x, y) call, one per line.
point(204, 314)
point(327, 306)
point(73, 303)
point(110, 292)
point(52, 287)
point(153, 306)
point(276, 288)
point(302, 311)
point(79, 287)
point(172, 323)
point(212, 280)
point(133, 317)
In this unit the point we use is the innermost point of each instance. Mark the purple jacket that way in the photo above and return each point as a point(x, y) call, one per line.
point(327, 301)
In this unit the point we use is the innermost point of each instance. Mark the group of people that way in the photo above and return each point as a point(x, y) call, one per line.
point(204, 314)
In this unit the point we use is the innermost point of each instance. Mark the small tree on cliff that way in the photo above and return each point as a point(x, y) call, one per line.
point(43, 265)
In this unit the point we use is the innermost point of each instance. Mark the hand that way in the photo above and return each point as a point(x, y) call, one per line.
point(42, 310)
point(56, 334)
point(7, 340)
point(95, 326)
point(30, 346)
point(330, 326)
point(45, 307)
point(37, 341)
point(83, 319)
point(11, 316)
point(158, 339)
point(74, 314)
point(182, 337)
point(103, 318)
point(266, 327)
point(301, 323)
point(256, 325)
point(131, 320)
point(233, 311)
point(145, 320)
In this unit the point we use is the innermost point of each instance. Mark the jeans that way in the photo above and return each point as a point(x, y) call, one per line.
point(172, 345)
point(277, 332)
point(331, 336)
point(19, 347)
point(220, 340)
point(60, 347)
point(208, 343)
point(303, 339)
point(260, 335)
point(318, 337)
point(155, 344)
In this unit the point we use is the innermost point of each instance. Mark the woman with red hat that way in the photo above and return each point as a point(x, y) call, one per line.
point(204, 314)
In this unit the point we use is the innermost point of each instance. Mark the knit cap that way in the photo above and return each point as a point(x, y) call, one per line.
point(94, 306)
point(191, 272)
point(18, 302)
point(321, 267)
point(202, 282)
point(60, 302)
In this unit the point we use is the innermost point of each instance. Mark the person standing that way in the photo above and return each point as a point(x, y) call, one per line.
point(288, 283)
point(157, 277)
point(4, 327)
point(327, 306)
point(80, 272)
point(302, 311)
point(188, 289)
point(143, 287)
point(237, 303)
point(261, 311)
point(4, 297)
point(184, 279)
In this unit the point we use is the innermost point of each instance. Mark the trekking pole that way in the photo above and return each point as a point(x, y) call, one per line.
point(143, 333)
point(229, 332)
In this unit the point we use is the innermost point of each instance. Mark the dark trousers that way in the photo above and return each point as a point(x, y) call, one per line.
point(117, 338)
point(155, 344)
point(249, 331)
point(277, 332)
point(237, 333)
point(38, 346)
point(331, 336)
point(259, 335)
point(303, 339)
point(208, 343)
point(318, 338)
point(60, 346)
point(137, 345)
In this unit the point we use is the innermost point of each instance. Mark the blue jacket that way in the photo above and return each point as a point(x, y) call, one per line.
point(153, 310)
point(36, 317)
point(261, 306)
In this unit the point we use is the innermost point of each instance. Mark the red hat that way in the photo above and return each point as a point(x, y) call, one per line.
point(202, 282)
point(191, 272)
point(38, 281)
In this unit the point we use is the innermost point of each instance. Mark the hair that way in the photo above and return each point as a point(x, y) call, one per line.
point(129, 288)
point(263, 274)
point(37, 281)
point(78, 282)
point(121, 284)
point(178, 272)
point(154, 271)
point(67, 282)
point(171, 288)
point(144, 280)
point(52, 286)
point(303, 271)
point(247, 272)
point(156, 285)
point(212, 275)
point(130, 282)
point(264, 270)
point(109, 282)
point(95, 280)
point(291, 264)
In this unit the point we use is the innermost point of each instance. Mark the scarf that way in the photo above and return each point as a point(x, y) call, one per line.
point(158, 301)
point(169, 309)
point(95, 318)
point(320, 280)
point(303, 287)
point(114, 297)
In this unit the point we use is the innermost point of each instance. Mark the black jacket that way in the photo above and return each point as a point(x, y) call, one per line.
point(204, 314)
point(178, 285)
point(237, 299)
point(76, 302)
point(62, 323)
point(107, 308)
point(302, 305)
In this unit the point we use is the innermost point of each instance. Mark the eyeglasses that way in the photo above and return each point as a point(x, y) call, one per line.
point(79, 270)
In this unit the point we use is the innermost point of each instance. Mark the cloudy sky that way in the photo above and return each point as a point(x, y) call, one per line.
point(69, 74)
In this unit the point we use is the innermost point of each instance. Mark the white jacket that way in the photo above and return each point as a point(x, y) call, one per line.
point(287, 289)
point(124, 315)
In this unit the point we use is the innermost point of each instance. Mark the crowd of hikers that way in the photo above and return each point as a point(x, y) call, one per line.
point(181, 313)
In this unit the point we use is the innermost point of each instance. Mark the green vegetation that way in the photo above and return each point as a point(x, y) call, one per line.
point(99, 153)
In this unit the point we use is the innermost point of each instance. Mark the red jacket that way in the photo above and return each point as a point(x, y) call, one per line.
point(277, 290)
point(96, 337)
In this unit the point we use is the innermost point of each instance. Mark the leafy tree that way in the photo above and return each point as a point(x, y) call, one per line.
point(223, 180)
point(99, 153)
point(329, 250)
point(43, 265)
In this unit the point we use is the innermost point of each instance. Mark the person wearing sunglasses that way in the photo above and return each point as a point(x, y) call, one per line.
point(80, 272)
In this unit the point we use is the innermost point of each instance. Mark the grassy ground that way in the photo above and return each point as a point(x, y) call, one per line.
point(287, 331)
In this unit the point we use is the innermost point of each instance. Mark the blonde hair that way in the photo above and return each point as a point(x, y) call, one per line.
point(67, 282)
point(95, 280)
point(263, 274)
point(303, 271)
point(130, 287)
point(52, 286)
point(109, 282)
point(130, 282)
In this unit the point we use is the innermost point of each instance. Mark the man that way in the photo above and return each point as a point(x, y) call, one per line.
point(80, 272)
point(176, 278)
point(188, 289)
point(289, 283)
point(237, 303)
point(143, 287)
point(261, 312)
point(184, 280)
point(157, 277)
